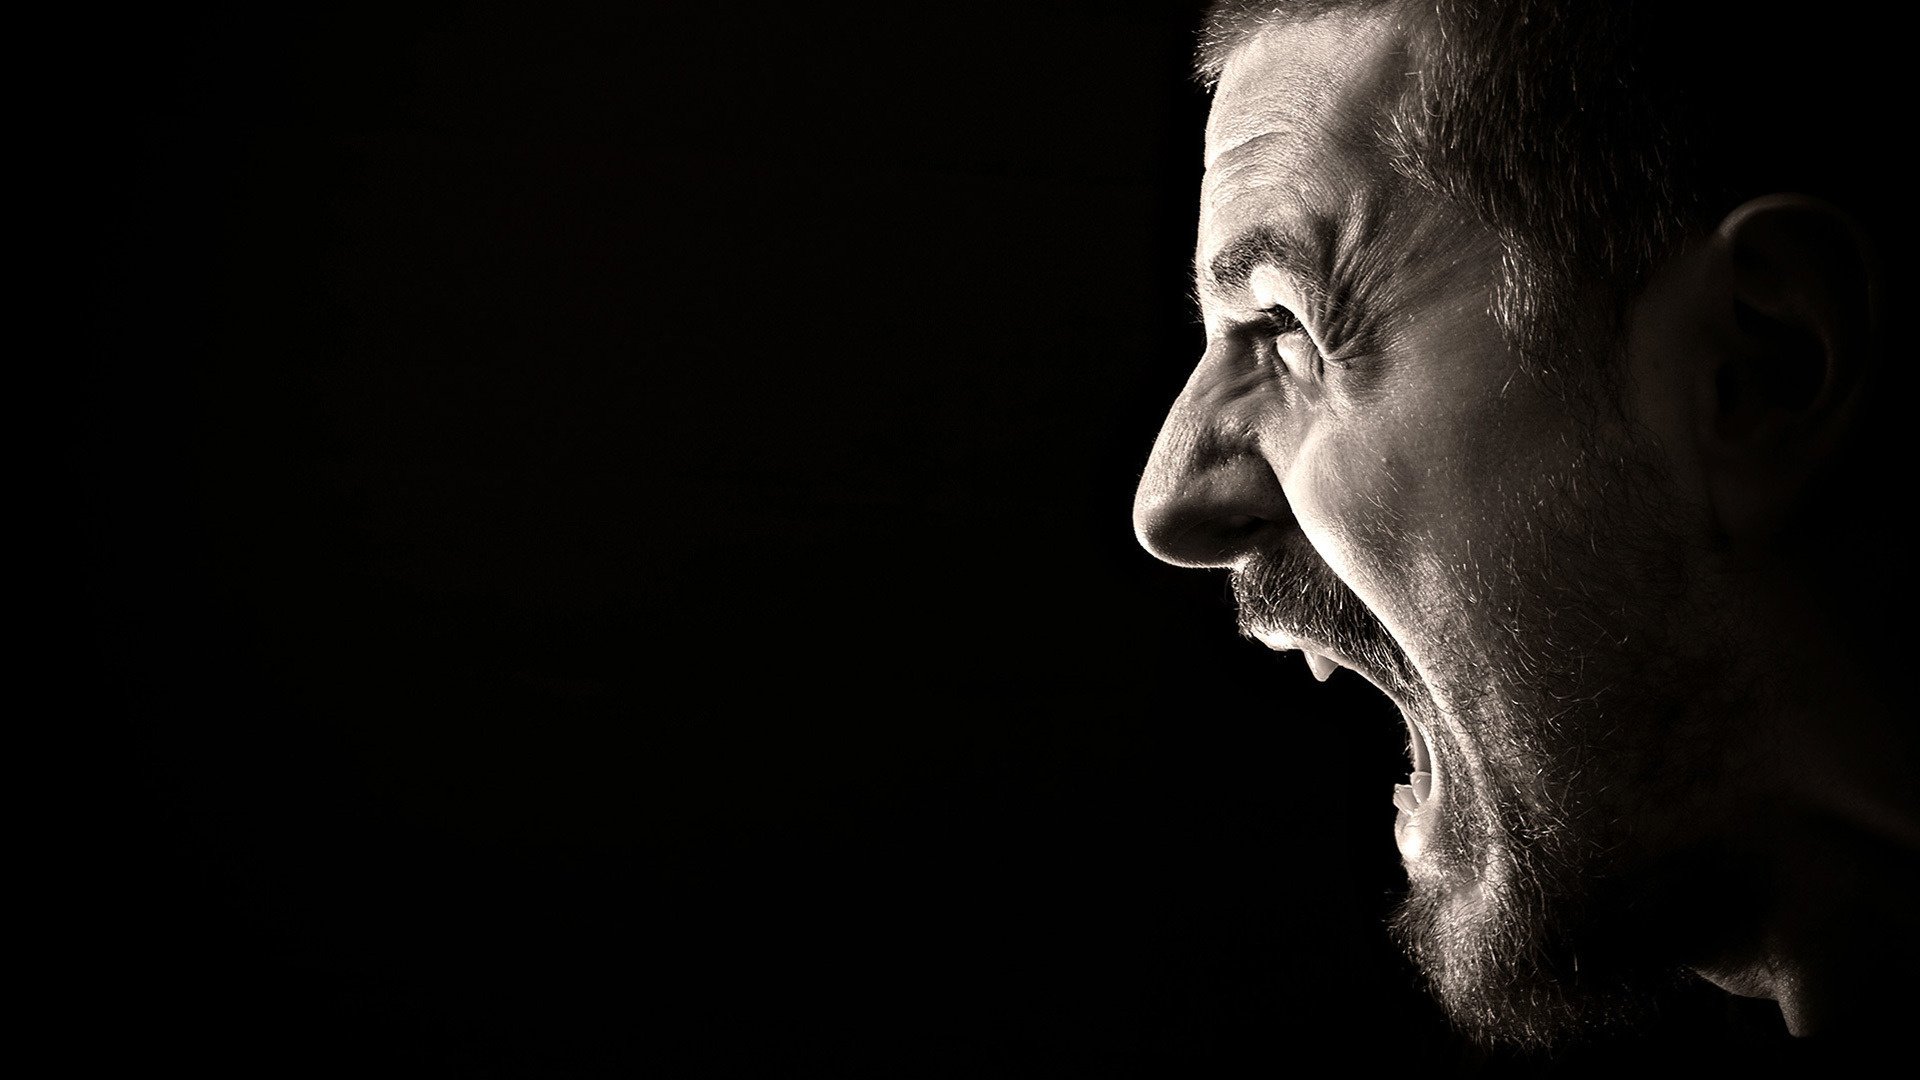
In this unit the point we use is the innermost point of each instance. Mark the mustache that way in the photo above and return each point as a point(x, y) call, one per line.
point(1290, 589)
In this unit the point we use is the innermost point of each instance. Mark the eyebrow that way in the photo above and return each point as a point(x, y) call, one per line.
point(1261, 245)
point(1338, 278)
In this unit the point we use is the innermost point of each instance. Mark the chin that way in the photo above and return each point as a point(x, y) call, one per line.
point(1529, 929)
point(1505, 962)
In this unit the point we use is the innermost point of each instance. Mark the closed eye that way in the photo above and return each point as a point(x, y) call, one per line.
point(1280, 320)
point(1282, 323)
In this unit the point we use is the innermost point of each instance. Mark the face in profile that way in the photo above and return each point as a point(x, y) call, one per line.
point(1396, 493)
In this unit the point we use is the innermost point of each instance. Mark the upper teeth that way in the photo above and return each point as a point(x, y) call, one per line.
point(1321, 667)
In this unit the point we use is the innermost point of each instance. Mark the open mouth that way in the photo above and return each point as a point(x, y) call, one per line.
point(1416, 798)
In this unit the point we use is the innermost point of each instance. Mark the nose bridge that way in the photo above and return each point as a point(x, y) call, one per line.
point(1209, 491)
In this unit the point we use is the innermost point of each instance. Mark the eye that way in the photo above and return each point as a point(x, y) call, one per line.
point(1282, 323)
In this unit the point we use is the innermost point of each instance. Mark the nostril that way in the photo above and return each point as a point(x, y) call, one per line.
point(1204, 540)
point(1211, 515)
point(1230, 539)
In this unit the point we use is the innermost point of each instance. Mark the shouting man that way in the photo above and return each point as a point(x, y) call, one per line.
point(1545, 387)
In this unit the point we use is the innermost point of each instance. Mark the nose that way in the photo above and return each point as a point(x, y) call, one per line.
point(1210, 496)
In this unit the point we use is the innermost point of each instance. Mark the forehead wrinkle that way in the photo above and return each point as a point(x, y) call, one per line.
point(1250, 166)
point(1249, 133)
point(1336, 72)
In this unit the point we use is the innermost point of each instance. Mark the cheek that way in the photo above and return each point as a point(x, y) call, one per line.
point(1416, 525)
point(1368, 503)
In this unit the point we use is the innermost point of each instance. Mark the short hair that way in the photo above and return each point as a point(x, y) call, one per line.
point(1593, 137)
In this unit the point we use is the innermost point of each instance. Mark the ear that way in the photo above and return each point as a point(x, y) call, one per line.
point(1772, 321)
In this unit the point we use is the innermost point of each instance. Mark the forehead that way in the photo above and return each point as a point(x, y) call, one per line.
point(1331, 73)
point(1295, 116)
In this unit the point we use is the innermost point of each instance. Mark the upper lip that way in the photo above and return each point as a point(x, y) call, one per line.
point(1284, 641)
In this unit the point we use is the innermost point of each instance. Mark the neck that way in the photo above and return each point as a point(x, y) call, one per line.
point(1834, 945)
point(1835, 844)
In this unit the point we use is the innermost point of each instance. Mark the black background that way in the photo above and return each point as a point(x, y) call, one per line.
point(610, 548)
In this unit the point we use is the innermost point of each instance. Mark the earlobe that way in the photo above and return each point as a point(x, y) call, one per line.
point(1790, 279)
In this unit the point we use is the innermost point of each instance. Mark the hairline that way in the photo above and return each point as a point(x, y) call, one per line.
point(1229, 26)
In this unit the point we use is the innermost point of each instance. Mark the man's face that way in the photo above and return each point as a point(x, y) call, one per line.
point(1396, 494)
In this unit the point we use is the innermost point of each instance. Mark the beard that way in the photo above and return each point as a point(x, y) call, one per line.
point(1581, 760)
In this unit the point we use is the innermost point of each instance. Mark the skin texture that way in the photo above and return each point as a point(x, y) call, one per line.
point(1530, 583)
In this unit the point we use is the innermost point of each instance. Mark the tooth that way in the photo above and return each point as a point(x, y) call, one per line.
point(1321, 667)
point(1422, 784)
point(1405, 799)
